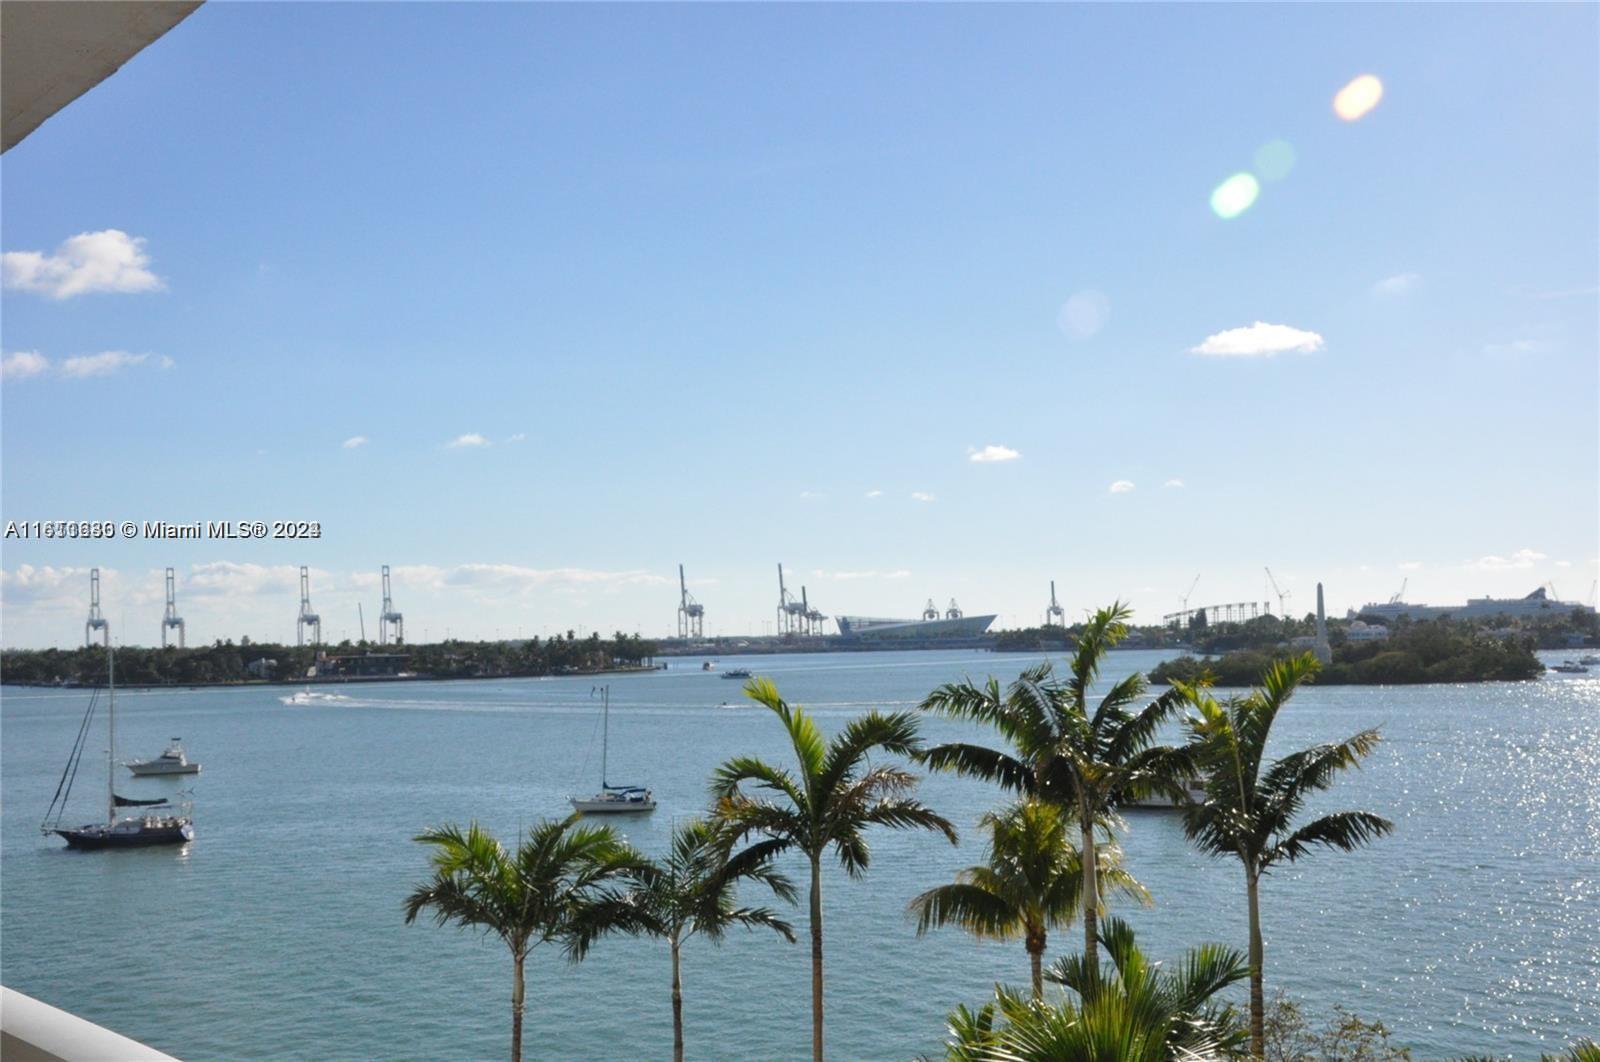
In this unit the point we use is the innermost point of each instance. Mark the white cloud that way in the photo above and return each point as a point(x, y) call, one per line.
point(354, 441)
point(1522, 558)
point(1174, 483)
point(1516, 346)
point(1260, 340)
point(230, 580)
point(109, 260)
point(21, 364)
point(516, 579)
point(1410, 566)
point(103, 364)
point(1084, 314)
point(1399, 284)
point(470, 439)
point(165, 362)
point(1563, 564)
point(991, 453)
point(921, 496)
point(1122, 486)
point(874, 493)
point(1560, 293)
point(516, 437)
point(898, 573)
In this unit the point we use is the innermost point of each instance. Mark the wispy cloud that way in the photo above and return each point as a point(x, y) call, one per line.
point(1121, 486)
point(109, 260)
point(1260, 340)
point(21, 364)
point(516, 437)
point(811, 495)
point(921, 496)
point(1175, 484)
point(106, 363)
point(355, 441)
point(1399, 284)
point(1410, 566)
point(467, 441)
point(874, 493)
point(991, 453)
point(1516, 346)
point(1522, 558)
point(845, 577)
point(1557, 293)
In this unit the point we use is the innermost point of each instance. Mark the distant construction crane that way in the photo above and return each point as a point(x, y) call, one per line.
point(1055, 615)
point(1188, 593)
point(691, 613)
point(391, 624)
point(172, 620)
point(930, 611)
point(791, 611)
point(307, 618)
point(1400, 594)
point(1283, 595)
point(96, 622)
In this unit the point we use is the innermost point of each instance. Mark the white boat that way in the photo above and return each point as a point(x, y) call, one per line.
point(172, 760)
point(1570, 667)
point(612, 799)
point(309, 696)
point(1194, 792)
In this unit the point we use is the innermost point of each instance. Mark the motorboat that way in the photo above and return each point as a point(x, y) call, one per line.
point(310, 696)
point(1570, 667)
point(736, 673)
point(612, 799)
point(1194, 792)
point(158, 821)
point(172, 760)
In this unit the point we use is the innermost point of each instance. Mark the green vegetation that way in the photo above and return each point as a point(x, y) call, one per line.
point(1133, 1010)
point(1032, 883)
point(1431, 651)
point(1086, 762)
point(225, 662)
point(558, 888)
point(1291, 1037)
point(692, 891)
point(837, 793)
point(1250, 806)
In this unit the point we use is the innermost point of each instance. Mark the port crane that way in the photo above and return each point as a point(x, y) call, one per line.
point(95, 622)
point(391, 624)
point(691, 613)
point(931, 611)
point(307, 618)
point(1055, 615)
point(1400, 594)
point(813, 617)
point(1283, 595)
point(171, 620)
point(954, 611)
point(791, 612)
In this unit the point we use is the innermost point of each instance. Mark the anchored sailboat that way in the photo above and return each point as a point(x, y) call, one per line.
point(161, 823)
point(612, 799)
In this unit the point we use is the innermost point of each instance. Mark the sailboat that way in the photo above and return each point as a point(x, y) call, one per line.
point(160, 821)
point(612, 799)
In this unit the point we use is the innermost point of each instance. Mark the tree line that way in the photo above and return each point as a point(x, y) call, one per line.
point(1066, 763)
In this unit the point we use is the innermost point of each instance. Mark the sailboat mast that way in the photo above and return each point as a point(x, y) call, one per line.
point(111, 726)
point(605, 732)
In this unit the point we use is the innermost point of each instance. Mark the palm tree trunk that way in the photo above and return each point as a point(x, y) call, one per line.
point(677, 1005)
point(516, 1007)
point(816, 959)
point(1258, 1006)
point(1035, 944)
point(1091, 902)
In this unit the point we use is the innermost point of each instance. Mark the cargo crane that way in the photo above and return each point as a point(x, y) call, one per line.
point(307, 618)
point(791, 612)
point(390, 622)
point(814, 618)
point(1283, 595)
point(1055, 615)
point(954, 611)
point(95, 622)
point(691, 613)
point(931, 612)
point(171, 619)
point(1400, 594)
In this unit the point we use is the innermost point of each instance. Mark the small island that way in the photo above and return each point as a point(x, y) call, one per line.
point(1407, 654)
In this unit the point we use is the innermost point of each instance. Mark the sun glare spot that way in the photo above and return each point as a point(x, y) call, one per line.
point(1235, 195)
point(1358, 97)
point(1274, 160)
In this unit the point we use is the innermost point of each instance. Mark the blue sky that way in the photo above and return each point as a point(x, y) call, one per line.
point(702, 278)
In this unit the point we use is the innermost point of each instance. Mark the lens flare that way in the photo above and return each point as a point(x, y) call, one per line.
point(1274, 160)
point(1235, 195)
point(1358, 97)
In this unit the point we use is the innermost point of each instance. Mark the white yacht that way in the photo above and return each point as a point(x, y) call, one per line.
point(612, 799)
point(1194, 792)
point(310, 696)
point(172, 760)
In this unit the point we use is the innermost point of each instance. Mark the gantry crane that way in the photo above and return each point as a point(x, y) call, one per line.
point(390, 622)
point(96, 621)
point(171, 619)
point(691, 613)
point(1055, 615)
point(307, 618)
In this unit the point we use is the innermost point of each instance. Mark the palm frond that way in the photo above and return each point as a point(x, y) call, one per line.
point(1344, 830)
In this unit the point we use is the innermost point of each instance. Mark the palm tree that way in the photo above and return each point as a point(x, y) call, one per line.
point(834, 795)
point(1086, 761)
point(1032, 882)
point(1248, 812)
point(1133, 1011)
point(540, 894)
point(692, 891)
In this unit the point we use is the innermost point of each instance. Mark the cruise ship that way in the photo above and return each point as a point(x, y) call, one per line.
point(953, 623)
point(1537, 603)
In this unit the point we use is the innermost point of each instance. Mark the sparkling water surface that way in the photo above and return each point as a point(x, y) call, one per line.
point(278, 933)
